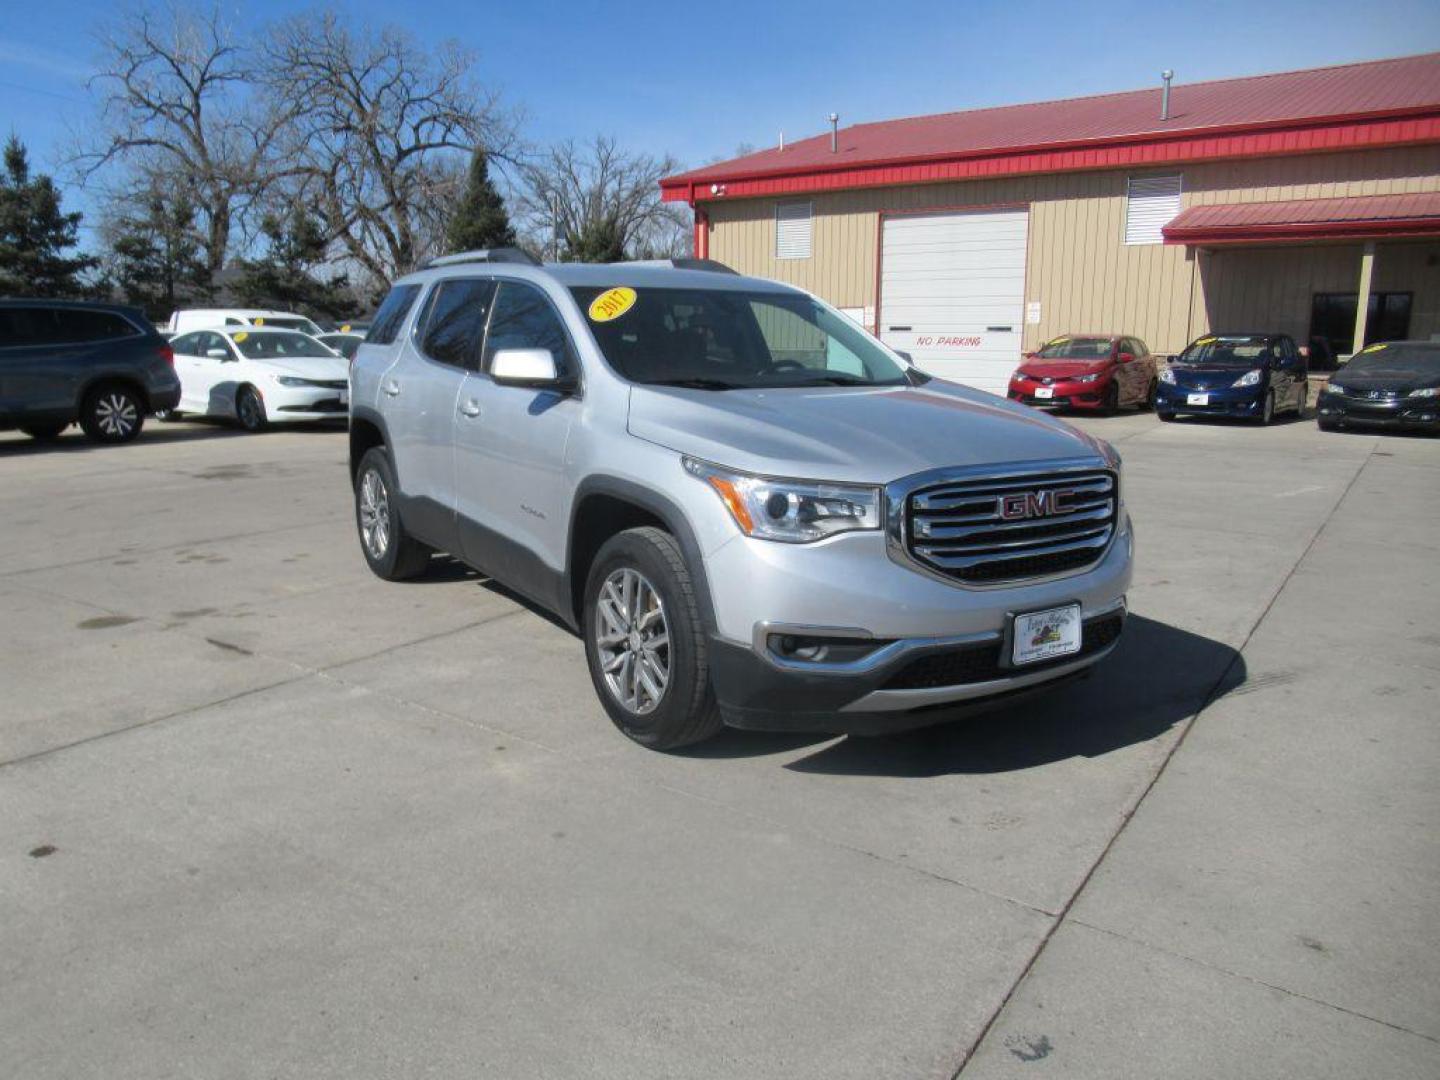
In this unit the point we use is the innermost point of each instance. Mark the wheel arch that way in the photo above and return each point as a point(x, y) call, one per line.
point(606, 505)
point(367, 431)
point(112, 378)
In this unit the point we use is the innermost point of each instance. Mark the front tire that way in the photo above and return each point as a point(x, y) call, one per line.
point(250, 410)
point(645, 642)
point(1110, 404)
point(391, 552)
point(1147, 403)
point(1267, 410)
point(112, 413)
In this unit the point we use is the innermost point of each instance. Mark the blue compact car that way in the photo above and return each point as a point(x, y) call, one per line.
point(1251, 376)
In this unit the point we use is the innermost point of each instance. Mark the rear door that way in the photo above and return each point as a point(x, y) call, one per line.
point(419, 395)
point(952, 292)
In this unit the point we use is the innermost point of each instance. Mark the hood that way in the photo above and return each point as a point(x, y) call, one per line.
point(1399, 379)
point(327, 368)
point(1062, 369)
point(869, 435)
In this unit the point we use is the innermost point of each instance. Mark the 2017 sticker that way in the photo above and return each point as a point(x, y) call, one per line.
point(611, 304)
point(258, 321)
point(241, 336)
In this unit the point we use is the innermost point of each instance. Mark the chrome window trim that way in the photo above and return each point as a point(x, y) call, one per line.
point(897, 495)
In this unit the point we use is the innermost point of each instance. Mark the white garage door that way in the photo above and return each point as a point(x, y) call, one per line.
point(952, 292)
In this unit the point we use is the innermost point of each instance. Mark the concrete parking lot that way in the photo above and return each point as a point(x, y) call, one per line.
point(264, 815)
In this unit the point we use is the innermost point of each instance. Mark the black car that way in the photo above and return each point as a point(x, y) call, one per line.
point(1396, 384)
point(103, 365)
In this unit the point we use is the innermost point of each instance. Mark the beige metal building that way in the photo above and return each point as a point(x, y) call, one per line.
point(1271, 203)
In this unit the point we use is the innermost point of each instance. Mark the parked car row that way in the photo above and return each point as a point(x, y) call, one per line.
point(106, 367)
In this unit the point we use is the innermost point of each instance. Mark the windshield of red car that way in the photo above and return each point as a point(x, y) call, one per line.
point(1076, 348)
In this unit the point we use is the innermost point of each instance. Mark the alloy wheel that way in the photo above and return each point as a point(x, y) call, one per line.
point(116, 414)
point(633, 640)
point(249, 408)
point(374, 515)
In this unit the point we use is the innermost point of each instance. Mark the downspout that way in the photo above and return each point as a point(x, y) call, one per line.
point(702, 233)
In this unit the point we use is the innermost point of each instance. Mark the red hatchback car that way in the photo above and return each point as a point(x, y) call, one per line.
point(1087, 371)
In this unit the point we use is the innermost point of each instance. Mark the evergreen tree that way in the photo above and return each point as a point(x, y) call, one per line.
point(596, 241)
point(157, 260)
point(35, 233)
point(286, 277)
point(480, 220)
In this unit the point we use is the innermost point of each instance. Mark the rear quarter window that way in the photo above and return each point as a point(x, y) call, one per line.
point(391, 316)
point(61, 326)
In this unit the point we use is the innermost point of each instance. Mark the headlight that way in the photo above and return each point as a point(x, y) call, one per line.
point(1086, 378)
point(1167, 376)
point(1428, 391)
point(1331, 388)
point(791, 511)
point(1250, 378)
point(290, 380)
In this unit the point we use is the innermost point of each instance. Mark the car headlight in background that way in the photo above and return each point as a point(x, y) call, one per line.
point(1166, 376)
point(790, 511)
point(1250, 378)
point(290, 380)
point(1331, 388)
point(1426, 391)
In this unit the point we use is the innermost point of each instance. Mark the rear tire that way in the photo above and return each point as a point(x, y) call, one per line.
point(391, 552)
point(643, 630)
point(112, 413)
point(44, 432)
point(1302, 402)
point(250, 409)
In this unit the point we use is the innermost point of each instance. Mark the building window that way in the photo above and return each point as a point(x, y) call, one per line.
point(1332, 322)
point(1150, 203)
point(792, 230)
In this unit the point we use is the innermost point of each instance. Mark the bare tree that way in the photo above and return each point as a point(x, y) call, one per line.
point(177, 111)
point(600, 204)
point(381, 134)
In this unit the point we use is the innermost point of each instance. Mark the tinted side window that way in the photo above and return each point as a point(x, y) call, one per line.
point(525, 319)
point(17, 327)
point(1141, 349)
point(186, 345)
point(391, 315)
point(81, 325)
point(455, 321)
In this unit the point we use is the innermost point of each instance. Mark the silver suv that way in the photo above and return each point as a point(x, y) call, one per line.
point(752, 511)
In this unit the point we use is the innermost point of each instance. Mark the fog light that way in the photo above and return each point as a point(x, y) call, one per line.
point(819, 650)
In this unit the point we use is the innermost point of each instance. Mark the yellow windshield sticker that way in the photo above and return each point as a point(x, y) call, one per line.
point(1058, 341)
point(258, 322)
point(1204, 341)
point(345, 329)
point(1373, 348)
point(611, 304)
point(241, 336)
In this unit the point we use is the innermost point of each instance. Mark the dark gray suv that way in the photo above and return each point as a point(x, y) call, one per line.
point(102, 365)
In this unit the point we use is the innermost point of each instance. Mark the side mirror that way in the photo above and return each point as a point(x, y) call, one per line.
point(527, 367)
point(217, 354)
point(1125, 357)
point(1032, 356)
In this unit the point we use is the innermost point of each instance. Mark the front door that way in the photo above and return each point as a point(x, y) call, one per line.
point(419, 395)
point(510, 450)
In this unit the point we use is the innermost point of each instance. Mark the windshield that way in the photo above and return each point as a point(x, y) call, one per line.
point(1423, 360)
point(347, 345)
point(1227, 351)
point(1076, 348)
point(273, 345)
point(716, 339)
point(288, 322)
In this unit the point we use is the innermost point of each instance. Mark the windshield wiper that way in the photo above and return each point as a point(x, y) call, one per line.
point(698, 384)
point(840, 380)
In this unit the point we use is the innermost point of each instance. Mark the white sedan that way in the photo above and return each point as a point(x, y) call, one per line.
point(260, 376)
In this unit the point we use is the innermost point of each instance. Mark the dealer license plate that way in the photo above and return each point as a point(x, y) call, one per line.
point(1043, 635)
point(1044, 391)
point(1197, 399)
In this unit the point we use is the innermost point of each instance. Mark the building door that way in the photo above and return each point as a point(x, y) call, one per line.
point(1332, 319)
point(952, 292)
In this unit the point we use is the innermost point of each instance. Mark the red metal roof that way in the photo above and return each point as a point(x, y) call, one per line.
point(1322, 108)
point(1301, 219)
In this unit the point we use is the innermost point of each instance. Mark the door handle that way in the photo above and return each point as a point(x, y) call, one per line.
point(471, 408)
point(391, 387)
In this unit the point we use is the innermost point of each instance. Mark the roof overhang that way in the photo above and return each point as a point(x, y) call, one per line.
point(1257, 140)
point(1356, 218)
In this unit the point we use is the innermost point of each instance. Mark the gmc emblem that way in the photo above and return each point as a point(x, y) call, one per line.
point(1036, 504)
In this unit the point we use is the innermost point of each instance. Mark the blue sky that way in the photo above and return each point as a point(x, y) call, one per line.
point(696, 80)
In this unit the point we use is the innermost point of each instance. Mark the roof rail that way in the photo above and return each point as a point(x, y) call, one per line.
point(493, 255)
point(710, 265)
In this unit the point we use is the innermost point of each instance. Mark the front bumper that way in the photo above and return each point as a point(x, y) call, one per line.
point(939, 647)
point(1064, 394)
point(1241, 401)
point(298, 403)
point(1418, 414)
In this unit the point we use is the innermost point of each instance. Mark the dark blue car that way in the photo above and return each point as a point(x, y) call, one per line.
point(1251, 376)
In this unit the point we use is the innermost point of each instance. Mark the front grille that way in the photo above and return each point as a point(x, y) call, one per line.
point(969, 529)
point(981, 663)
